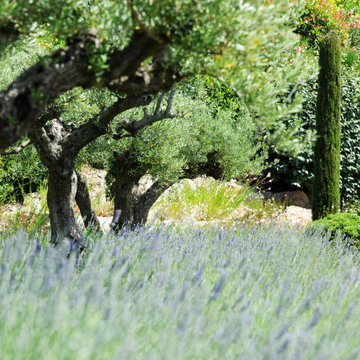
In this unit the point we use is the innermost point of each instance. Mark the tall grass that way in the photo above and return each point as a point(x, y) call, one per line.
point(255, 293)
point(215, 201)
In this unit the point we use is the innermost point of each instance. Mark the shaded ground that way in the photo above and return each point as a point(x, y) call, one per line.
point(34, 209)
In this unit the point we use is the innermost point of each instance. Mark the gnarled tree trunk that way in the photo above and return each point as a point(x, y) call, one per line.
point(123, 197)
point(60, 197)
point(143, 201)
point(63, 185)
point(134, 200)
point(83, 200)
point(58, 146)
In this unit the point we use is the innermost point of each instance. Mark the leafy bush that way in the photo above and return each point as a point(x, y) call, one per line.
point(321, 16)
point(20, 174)
point(346, 223)
point(205, 135)
point(295, 172)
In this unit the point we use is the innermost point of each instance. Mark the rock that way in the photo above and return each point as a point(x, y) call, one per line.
point(96, 180)
point(105, 222)
point(233, 185)
point(240, 213)
point(153, 216)
point(296, 215)
point(203, 181)
point(296, 198)
point(32, 202)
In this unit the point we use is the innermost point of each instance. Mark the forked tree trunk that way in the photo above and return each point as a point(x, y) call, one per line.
point(133, 200)
point(143, 202)
point(60, 197)
point(83, 200)
point(123, 198)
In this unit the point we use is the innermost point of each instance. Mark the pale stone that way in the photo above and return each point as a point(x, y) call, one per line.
point(105, 222)
point(296, 215)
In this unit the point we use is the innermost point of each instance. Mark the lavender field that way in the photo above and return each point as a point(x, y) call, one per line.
point(181, 294)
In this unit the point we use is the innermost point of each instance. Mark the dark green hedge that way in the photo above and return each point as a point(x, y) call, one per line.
point(297, 172)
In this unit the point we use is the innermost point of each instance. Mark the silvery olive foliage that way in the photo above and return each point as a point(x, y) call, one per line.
point(175, 147)
point(248, 44)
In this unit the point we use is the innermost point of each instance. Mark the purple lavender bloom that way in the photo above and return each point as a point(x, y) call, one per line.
point(77, 261)
point(226, 263)
point(38, 246)
point(198, 275)
point(50, 282)
point(217, 288)
point(115, 251)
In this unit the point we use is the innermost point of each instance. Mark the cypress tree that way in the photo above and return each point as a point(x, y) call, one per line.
point(326, 189)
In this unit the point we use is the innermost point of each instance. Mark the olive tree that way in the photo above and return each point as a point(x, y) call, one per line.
point(143, 47)
point(136, 49)
point(203, 139)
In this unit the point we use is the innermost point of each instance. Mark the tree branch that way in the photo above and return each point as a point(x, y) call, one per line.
point(29, 95)
point(47, 151)
point(131, 128)
point(142, 24)
point(158, 105)
point(96, 127)
point(153, 81)
point(18, 149)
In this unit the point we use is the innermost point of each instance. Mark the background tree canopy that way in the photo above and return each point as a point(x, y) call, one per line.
point(78, 70)
point(138, 47)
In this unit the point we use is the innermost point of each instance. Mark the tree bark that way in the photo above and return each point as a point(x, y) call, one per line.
point(326, 190)
point(123, 197)
point(83, 200)
point(62, 183)
point(31, 93)
point(143, 202)
point(133, 200)
point(60, 197)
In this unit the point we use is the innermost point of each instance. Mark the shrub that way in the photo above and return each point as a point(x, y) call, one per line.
point(321, 16)
point(208, 200)
point(20, 174)
point(215, 135)
point(346, 223)
point(296, 172)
